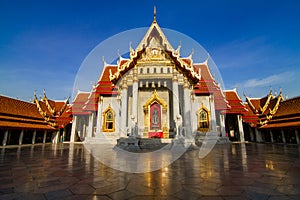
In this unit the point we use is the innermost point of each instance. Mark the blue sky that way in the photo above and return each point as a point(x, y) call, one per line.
point(255, 44)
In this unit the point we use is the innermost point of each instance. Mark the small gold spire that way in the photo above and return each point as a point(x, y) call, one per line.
point(154, 19)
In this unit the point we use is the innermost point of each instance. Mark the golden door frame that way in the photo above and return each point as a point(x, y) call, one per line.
point(203, 108)
point(155, 98)
point(104, 120)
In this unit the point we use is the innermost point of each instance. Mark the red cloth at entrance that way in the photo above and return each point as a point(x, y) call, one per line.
point(158, 134)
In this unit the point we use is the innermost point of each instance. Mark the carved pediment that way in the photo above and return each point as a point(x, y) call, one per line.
point(154, 52)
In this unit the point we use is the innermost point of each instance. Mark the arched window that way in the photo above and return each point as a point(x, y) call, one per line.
point(108, 120)
point(203, 120)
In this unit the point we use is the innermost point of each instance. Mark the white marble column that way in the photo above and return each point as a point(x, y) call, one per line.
point(271, 136)
point(73, 131)
point(283, 136)
point(194, 117)
point(241, 129)
point(99, 116)
point(45, 137)
point(187, 109)
point(55, 137)
point(33, 137)
point(297, 136)
point(251, 134)
point(135, 88)
point(64, 135)
point(175, 96)
point(258, 135)
point(212, 113)
point(4, 141)
point(21, 137)
point(222, 124)
point(123, 128)
point(117, 108)
point(91, 125)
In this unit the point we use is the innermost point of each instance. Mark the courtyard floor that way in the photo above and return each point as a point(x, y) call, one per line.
point(230, 171)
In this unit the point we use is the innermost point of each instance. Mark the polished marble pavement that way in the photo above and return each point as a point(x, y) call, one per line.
point(230, 171)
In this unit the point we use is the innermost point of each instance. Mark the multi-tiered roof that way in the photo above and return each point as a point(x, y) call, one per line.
point(198, 74)
point(236, 103)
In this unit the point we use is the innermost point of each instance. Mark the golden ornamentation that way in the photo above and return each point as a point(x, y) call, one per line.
point(52, 110)
point(108, 116)
point(155, 98)
point(270, 96)
point(203, 116)
point(155, 49)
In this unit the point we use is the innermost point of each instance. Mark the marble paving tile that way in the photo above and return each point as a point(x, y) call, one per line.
point(231, 171)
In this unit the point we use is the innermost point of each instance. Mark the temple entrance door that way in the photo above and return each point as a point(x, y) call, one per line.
point(155, 121)
point(156, 117)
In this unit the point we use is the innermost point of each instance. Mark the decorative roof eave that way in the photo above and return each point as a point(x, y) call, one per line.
point(268, 117)
point(122, 69)
point(45, 99)
point(279, 99)
point(194, 77)
point(37, 102)
point(63, 108)
point(288, 125)
point(251, 105)
point(264, 108)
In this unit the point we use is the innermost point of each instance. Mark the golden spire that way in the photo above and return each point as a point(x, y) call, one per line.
point(154, 18)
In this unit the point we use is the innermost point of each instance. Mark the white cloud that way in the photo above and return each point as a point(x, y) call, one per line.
point(269, 81)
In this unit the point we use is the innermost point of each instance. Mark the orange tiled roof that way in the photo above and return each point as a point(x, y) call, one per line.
point(287, 115)
point(78, 104)
point(104, 87)
point(288, 124)
point(249, 116)
point(15, 113)
point(207, 85)
point(187, 61)
point(235, 102)
point(17, 107)
point(289, 107)
point(65, 118)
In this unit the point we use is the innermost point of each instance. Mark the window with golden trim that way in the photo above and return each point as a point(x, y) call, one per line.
point(203, 120)
point(108, 120)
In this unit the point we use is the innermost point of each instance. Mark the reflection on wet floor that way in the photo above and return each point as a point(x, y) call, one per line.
point(68, 171)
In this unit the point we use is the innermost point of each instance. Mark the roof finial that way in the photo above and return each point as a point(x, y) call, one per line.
point(206, 60)
point(154, 18)
point(119, 54)
point(104, 62)
point(280, 91)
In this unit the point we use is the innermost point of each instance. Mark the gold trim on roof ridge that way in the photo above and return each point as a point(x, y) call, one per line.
point(264, 108)
point(189, 71)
